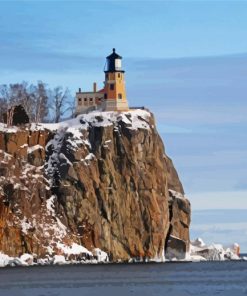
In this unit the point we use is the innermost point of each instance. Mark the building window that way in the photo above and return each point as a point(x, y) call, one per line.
point(91, 99)
point(105, 96)
point(111, 86)
point(85, 99)
point(79, 101)
point(120, 96)
point(106, 76)
point(119, 75)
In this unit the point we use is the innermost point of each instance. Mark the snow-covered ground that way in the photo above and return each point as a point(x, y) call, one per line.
point(134, 119)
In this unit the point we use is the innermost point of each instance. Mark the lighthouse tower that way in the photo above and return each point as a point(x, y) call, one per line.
point(112, 97)
point(114, 90)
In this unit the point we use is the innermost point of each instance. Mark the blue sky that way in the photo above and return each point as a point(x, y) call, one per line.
point(185, 60)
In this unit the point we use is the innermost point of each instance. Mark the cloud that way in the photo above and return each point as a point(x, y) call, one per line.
point(220, 216)
point(241, 184)
point(208, 90)
point(172, 129)
point(218, 200)
point(220, 226)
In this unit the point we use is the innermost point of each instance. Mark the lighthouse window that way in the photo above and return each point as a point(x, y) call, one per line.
point(118, 64)
point(111, 86)
point(120, 96)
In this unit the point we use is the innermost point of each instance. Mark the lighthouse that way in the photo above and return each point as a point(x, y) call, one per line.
point(115, 93)
point(112, 97)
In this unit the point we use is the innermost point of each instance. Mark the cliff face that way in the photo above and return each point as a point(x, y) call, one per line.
point(101, 180)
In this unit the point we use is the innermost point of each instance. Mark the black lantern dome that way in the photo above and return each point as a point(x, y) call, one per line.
point(113, 62)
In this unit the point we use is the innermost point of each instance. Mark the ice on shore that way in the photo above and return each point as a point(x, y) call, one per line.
point(75, 253)
point(59, 259)
point(199, 251)
point(4, 260)
point(71, 255)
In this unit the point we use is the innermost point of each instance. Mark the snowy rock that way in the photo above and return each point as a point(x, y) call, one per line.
point(100, 255)
point(59, 260)
point(213, 252)
point(177, 243)
point(75, 252)
point(4, 260)
point(17, 262)
point(27, 259)
point(44, 261)
point(176, 249)
point(236, 249)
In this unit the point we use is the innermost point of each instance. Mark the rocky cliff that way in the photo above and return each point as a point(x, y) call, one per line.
point(101, 180)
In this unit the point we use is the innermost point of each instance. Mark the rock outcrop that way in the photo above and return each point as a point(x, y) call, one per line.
point(101, 180)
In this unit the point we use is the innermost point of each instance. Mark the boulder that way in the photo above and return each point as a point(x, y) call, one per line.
point(175, 248)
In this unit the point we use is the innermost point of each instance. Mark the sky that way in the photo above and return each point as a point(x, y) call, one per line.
point(184, 60)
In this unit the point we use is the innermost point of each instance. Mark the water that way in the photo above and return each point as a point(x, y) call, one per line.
point(205, 278)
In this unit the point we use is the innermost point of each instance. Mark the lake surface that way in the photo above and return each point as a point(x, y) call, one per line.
point(205, 278)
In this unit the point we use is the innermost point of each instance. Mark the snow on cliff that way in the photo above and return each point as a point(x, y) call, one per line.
point(134, 119)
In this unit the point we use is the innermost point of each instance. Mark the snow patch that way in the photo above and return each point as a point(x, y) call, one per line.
point(90, 156)
point(50, 204)
point(160, 258)
point(59, 260)
point(57, 226)
point(74, 249)
point(27, 259)
point(62, 156)
point(25, 225)
point(6, 129)
point(100, 255)
point(33, 148)
point(176, 194)
point(4, 259)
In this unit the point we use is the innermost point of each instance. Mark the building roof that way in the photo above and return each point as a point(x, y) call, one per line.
point(101, 90)
point(114, 55)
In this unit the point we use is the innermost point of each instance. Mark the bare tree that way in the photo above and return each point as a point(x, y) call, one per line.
point(40, 96)
point(37, 99)
point(4, 101)
point(22, 93)
point(59, 103)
